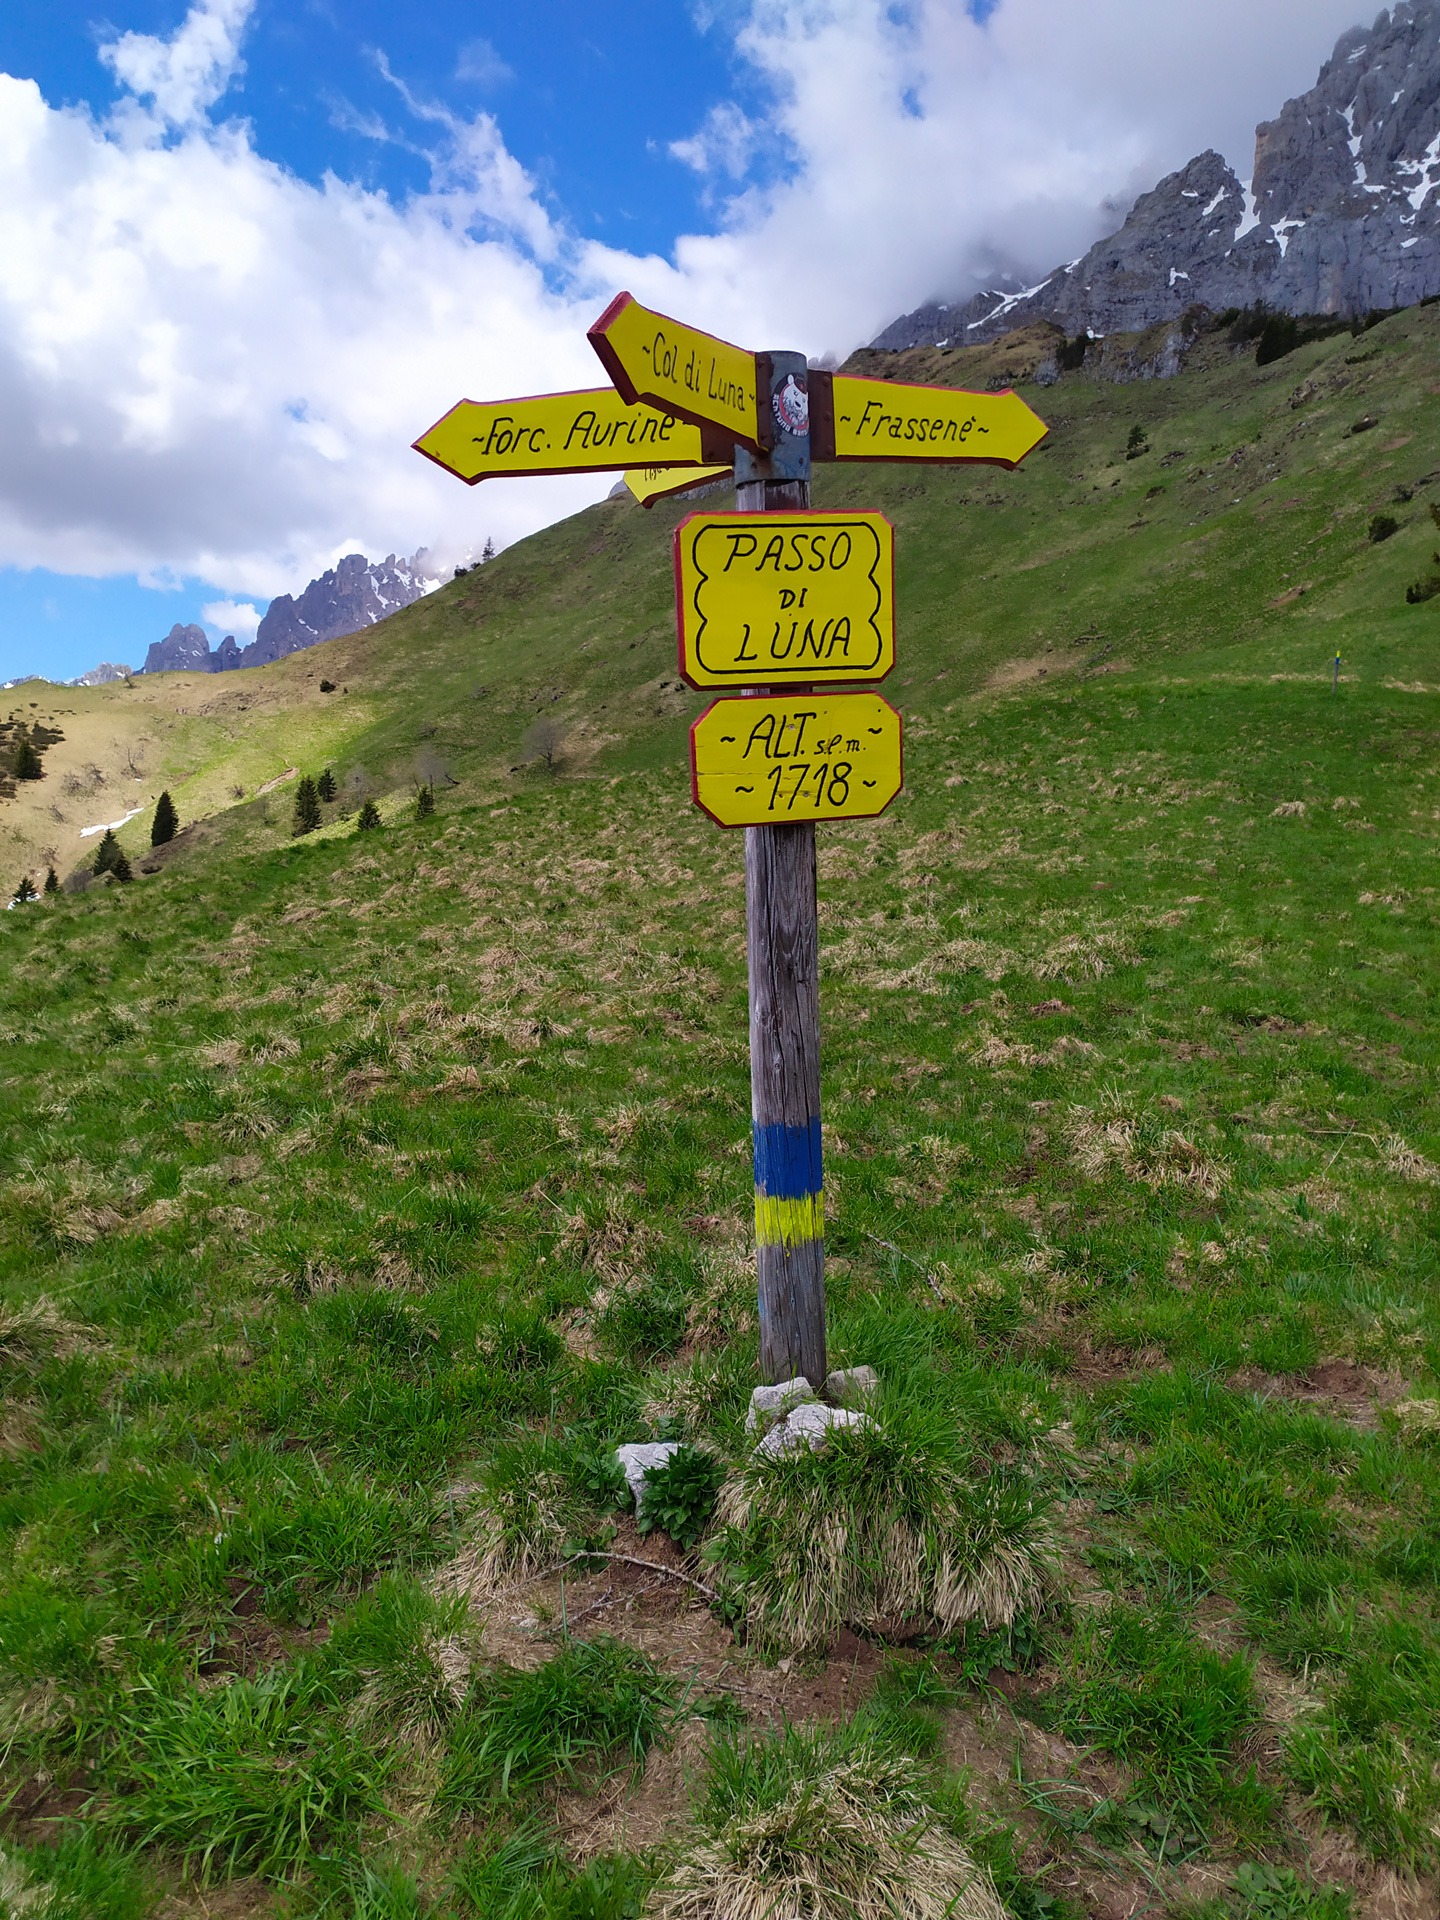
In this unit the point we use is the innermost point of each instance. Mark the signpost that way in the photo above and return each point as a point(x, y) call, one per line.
point(783, 607)
point(785, 600)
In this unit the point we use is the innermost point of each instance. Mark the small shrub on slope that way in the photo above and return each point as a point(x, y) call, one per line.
point(822, 1826)
point(883, 1530)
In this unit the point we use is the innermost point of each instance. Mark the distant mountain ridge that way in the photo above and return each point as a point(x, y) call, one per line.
point(1342, 215)
point(354, 593)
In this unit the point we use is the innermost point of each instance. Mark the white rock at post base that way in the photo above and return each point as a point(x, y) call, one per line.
point(641, 1458)
point(852, 1386)
point(808, 1426)
point(769, 1404)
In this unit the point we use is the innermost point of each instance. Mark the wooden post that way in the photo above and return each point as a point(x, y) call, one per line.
point(783, 945)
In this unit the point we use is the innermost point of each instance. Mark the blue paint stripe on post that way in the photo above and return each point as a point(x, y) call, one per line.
point(788, 1161)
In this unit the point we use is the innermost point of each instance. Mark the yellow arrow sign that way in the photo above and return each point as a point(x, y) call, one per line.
point(594, 431)
point(771, 758)
point(785, 599)
point(649, 484)
point(887, 420)
point(688, 373)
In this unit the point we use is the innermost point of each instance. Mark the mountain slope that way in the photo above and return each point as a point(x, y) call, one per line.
point(1342, 214)
point(1255, 487)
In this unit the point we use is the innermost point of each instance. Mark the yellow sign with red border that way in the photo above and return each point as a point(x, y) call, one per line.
point(689, 373)
point(766, 759)
point(593, 431)
point(785, 599)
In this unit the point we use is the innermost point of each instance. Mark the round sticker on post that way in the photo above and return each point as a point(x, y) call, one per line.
point(792, 407)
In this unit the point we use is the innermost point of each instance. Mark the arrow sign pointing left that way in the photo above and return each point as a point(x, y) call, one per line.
point(593, 431)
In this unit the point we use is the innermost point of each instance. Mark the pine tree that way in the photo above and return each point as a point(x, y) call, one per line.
point(325, 785)
point(369, 818)
point(488, 551)
point(25, 892)
point(307, 806)
point(121, 867)
point(162, 827)
point(107, 853)
point(27, 760)
point(52, 880)
point(425, 803)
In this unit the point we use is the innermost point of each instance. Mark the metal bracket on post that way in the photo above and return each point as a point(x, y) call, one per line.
point(783, 940)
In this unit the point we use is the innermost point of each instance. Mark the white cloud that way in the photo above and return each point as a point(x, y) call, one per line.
point(232, 616)
point(481, 65)
point(183, 76)
point(724, 143)
point(211, 368)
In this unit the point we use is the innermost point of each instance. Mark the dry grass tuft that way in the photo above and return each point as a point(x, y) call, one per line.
point(1420, 1419)
point(525, 1514)
point(1137, 1146)
point(884, 1531)
point(29, 1332)
point(844, 1831)
point(1404, 1161)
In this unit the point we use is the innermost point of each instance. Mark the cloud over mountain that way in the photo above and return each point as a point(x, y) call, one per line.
point(211, 366)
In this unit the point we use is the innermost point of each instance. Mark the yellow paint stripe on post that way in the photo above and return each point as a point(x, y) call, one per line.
point(690, 374)
point(788, 1223)
point(593, 431)
point(767, 759)
point(649, 484)
point(854, 419)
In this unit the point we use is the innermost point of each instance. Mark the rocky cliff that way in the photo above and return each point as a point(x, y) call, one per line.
point(1341, 215)
point(354, 594)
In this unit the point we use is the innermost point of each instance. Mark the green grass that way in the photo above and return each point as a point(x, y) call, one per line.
point(359, 1194)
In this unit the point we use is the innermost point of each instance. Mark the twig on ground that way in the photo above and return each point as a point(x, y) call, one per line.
point(650, 1566)
point(899, 1252)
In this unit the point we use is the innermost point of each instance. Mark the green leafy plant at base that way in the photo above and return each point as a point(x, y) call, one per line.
point(592, 1704)
point(163, 826)
point(1262, 1892)
point(883, 1529)
point(680, 1496)
point(835, 1825)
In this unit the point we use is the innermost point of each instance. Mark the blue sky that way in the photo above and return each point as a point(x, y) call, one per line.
point(252, 248)
point(590, 98)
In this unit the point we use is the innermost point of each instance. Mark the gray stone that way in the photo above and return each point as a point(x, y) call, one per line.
point(809, 1426)
point(769, 1404)
point(1342, 216)
point(640, 1459)
point(852, 1386)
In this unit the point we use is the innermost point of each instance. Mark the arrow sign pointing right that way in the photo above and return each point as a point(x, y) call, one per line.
point(690, 374)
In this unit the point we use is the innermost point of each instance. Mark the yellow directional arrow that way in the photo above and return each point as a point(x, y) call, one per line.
point(689, 373)
point(649, 484)
point(590, 432)
point(769, 758)
point(887, 420)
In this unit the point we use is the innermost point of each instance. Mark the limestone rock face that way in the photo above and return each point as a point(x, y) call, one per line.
point(353, 594)
point(1342, 215)
point(182, 647)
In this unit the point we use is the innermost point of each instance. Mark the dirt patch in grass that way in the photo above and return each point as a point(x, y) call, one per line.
point(1352, 1393)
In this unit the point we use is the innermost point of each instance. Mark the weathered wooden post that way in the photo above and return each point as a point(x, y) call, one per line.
point(783, 946)
point(789, 625)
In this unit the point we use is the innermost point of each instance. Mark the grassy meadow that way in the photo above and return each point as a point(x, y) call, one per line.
point(359, 1193)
